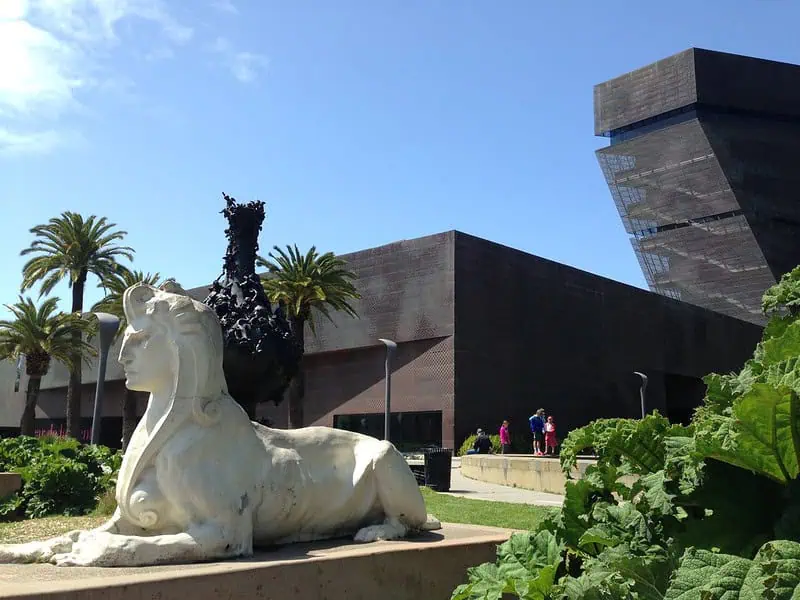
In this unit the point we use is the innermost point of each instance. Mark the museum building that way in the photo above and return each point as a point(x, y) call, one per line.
point(485, 333)
point(702, 166)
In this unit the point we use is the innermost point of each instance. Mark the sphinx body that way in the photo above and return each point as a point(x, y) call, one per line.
point(200, 481)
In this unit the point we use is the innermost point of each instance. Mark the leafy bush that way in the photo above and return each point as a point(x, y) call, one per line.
point(518, 445)
point(712, 513)
point(59, 476)
point(467, 445)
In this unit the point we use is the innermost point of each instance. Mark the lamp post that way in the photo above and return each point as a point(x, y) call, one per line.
point(387, 396)
point(642, 389)
point(107, 327)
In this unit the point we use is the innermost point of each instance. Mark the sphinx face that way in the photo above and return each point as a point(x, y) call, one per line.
point(148, 359)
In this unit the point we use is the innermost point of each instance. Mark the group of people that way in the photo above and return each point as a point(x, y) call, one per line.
point(543, 428)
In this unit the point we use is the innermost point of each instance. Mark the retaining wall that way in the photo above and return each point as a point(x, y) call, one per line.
point(524, 471)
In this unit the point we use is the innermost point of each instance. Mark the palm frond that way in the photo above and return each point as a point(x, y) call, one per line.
point(45, 332)
point(69, 247)
point(309, 283)
point(115, 286)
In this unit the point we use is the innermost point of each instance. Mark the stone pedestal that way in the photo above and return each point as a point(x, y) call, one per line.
point(9, 483)
point(427, 567)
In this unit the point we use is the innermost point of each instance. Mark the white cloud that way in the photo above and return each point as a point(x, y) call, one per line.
point(97, 20)
point(244, 66)
point(39, 142)
point(51, 53)
point(225, 6)
point(13, 9)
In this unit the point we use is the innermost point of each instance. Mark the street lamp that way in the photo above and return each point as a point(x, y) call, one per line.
point(107, 329)
point(642, 389)
point(387, 396)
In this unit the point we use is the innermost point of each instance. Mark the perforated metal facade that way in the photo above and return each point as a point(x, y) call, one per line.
point(702, 167)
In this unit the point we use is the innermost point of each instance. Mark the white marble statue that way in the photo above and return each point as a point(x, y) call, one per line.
point(200, 481)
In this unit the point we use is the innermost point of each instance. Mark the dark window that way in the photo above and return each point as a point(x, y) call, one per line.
point(683, 394)
point(408, 430)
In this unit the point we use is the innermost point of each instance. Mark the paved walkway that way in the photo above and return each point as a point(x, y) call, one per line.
point(479, 490)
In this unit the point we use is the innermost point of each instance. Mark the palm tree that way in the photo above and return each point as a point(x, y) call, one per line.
point(304, 285)
point(70, 247)
point(115, 287)
point(40, 335)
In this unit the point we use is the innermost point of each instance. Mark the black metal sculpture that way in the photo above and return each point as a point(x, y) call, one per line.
point(261, 355)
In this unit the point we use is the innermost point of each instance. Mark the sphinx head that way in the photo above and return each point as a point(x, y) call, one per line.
point(172, 345)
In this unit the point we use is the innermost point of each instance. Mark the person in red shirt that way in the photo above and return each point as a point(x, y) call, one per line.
point(550, 440)
point(505, 439)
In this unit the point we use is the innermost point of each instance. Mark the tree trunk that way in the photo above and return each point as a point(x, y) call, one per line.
point(297, 386)
point(73, 410)
point(27, 424)
point(130, 416)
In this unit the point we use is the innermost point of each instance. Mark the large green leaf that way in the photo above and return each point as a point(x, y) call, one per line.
point(619, 574)
point(633, 446)
point(579, 497)
point(773, 574)
point(485, 583)
point(613, 524)
point(783, 344)
point(729, 495)
point(526, 567)
point(763, 435)
point(784, 296)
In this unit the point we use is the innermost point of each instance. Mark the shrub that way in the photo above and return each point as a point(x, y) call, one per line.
point(467, 445)
point(518, 446)
point(106, 504)
point(59, 476)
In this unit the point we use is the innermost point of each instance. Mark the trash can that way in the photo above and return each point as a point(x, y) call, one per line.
point(438, 462)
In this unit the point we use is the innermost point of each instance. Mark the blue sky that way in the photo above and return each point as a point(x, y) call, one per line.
point(358, 122)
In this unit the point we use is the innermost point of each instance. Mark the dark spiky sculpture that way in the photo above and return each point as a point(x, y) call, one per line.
point(261, 356)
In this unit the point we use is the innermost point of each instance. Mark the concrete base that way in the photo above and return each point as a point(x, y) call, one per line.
point(429, 566)
point(9, 483)
point(537, 473)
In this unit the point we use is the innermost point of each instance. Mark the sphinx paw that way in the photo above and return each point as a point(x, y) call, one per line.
point(33, 552)
point(390, 530)
point(432, 524)
point(70, 559)
point(91, 549)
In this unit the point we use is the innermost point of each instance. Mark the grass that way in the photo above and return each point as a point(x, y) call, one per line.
point(452, 509)
point(40, 529)
point(449, 509)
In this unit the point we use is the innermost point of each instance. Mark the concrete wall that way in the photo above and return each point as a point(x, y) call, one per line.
point(526, 472)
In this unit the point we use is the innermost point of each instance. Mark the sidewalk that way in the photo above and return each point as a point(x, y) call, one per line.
point(478, 490)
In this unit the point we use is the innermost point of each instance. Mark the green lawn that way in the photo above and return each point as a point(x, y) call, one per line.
point(449, 509)
point(452, 509)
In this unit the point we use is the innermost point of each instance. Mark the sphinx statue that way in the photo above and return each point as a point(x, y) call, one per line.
point(201, 481)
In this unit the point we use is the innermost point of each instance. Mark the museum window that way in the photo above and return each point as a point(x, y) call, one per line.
point(409, 431)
